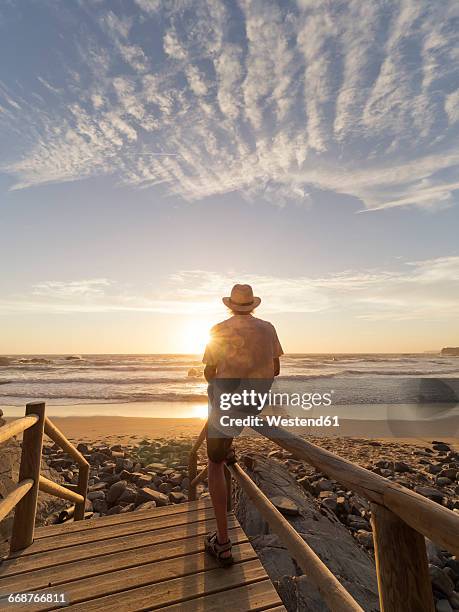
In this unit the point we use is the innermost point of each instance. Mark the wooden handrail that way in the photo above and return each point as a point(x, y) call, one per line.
point(332, 591)
point(14, 497)
point(48, 486)
point(58, 437)
point(17, 426)
point(401, 559)
point(438, 523)
point(24, 496)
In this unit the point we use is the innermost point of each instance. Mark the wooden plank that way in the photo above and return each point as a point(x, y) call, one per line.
point(329, 587)
point(155, 584)
point(52, 488)
point(26, 509)
point(401, 564)
point(116, 519)
point(20, 565)
point(41, 578)
point(256, 596)
point(13, 498)
point(59, 438)
point(115, 531)
point(436, 522)
point(17, 426)
point(179, 589)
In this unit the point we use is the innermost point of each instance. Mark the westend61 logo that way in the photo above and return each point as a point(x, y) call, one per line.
point(253, 399)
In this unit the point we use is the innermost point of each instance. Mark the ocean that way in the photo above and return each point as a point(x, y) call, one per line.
point(173, 385)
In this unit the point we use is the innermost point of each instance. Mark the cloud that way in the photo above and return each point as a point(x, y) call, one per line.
point(271, 99)
point(425, 290)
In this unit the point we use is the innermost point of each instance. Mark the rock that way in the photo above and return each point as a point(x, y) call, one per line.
point(441, 481)
point(148, 494)
point(129, 495)
point(165, 487)
point(434, 468)
point(285, 505)
point(454, 565)
point(330, 504)
point(157, 467)
point(177, 497)
point(115, 491)
point(100, 506)
point(115, 510)
point(175, 478)
point(434, 554)
point(450, 473)
point(61, 463)
point(185, 484)
point(401, 466)
point(440, 581)
point(440, 446)
point(365, 538)
point(323, 485)
point(127, 508)
point(443, 605)
point(357, 523)
point(149, 505)
point(93, 495)
point(98, 486)
point(430, 493)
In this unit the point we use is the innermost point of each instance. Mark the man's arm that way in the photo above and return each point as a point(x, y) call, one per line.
point(210, 372)
point(276, 361)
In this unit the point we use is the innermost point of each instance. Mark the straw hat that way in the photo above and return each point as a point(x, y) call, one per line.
point(241, 299)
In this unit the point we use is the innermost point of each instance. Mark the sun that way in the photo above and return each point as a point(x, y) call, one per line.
point(195, 336)
point(201, 411)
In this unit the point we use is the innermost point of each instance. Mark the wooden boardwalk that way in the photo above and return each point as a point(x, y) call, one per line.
point(151, 560)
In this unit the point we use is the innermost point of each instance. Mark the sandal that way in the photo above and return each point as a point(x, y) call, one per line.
point(214, 548)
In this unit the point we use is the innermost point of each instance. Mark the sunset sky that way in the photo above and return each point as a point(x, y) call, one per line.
point(154, 153)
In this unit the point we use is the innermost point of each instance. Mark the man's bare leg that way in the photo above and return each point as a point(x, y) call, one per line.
point(217, 490)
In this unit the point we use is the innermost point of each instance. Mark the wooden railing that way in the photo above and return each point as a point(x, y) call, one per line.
point(25, 495)
point(400, 520)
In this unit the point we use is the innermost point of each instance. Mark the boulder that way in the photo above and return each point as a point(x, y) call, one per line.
point(115, 491)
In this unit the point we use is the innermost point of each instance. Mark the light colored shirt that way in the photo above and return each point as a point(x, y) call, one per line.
point(243, 347)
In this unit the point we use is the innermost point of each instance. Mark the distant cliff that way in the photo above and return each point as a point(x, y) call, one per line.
point(450, 350)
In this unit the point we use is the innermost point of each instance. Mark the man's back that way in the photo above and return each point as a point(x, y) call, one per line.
point(243, 346)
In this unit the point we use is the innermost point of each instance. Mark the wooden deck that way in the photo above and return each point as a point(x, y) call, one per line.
point(151, 560)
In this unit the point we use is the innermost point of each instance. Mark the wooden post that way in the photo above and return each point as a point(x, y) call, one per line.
point(229, 490)
point(401, 564)
point(82, 489)
point(24, 516)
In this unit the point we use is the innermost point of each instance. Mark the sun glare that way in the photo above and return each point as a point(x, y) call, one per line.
point(200, 411)
point(195, 336)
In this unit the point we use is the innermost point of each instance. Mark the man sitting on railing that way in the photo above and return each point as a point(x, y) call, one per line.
point(241, 359)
